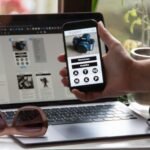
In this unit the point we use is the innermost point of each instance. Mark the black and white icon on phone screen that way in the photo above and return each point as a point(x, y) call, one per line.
point(86, 79)
point(94, 70)
point(96, 78)
point(75, 72)
point(76, 80)
point(85, 71)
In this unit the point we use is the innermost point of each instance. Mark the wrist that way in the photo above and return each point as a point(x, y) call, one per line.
point(139, 80)
point(129, 79)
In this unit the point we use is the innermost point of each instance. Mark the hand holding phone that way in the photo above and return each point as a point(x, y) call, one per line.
point(83, 55)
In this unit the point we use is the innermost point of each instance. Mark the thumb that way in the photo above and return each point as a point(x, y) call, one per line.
point(106, 36)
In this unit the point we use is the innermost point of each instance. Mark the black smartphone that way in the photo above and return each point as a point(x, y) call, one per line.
point(83, 55)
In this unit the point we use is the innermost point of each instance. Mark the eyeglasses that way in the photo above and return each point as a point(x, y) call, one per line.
point(28, 121)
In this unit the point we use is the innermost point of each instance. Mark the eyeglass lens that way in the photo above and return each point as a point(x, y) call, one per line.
point(29, 121)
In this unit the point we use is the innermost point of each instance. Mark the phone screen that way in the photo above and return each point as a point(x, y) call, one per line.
point(83, 57)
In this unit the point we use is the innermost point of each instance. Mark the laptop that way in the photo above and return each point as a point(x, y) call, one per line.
point(29, 47)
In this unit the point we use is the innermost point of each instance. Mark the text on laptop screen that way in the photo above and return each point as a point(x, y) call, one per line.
point(29, 69)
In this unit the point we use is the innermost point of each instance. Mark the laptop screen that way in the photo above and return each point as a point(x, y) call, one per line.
point(29, 47)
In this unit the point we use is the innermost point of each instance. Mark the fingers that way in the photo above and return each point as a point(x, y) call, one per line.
point(64, 75)
point(105, 35)
point(63, 72)
point(89, 96)
point(79, 94)
point(65, 81)
point(61, 58)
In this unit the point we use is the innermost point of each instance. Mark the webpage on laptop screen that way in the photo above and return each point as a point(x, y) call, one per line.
point(29, 69)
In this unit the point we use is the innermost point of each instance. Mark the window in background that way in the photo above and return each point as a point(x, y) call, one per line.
point(28, 6)
point(128, 20)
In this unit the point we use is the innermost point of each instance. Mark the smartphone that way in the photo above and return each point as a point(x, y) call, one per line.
point(83, 55)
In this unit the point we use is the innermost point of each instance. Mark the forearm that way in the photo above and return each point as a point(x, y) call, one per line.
point(140, 76)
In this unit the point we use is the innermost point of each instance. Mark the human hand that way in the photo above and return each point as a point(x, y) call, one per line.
point(117, 65)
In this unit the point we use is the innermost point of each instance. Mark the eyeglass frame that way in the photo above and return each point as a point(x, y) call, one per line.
point(12, 130)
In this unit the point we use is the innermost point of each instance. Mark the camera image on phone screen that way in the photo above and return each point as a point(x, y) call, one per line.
point(83, 57)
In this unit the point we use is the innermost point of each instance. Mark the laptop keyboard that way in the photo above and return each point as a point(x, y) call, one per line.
point(84, 114)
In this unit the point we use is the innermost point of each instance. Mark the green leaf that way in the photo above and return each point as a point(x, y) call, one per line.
point(138, 21)
point(126, 17)
point(94, 4)
point(132, 28)
point(133, 12)
point(130, 14)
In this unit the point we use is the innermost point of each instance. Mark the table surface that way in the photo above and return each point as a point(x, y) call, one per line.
point(6, 143)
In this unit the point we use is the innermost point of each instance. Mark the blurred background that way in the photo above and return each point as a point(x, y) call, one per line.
point(28, 6)
point(128, 20)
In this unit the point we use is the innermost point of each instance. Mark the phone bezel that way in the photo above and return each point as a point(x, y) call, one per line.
point(81, 25)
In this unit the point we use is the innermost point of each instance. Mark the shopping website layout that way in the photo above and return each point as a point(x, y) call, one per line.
point(29, 68)
point(83, 57)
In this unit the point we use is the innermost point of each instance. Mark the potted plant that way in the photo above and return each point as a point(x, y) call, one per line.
point(138, 16)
